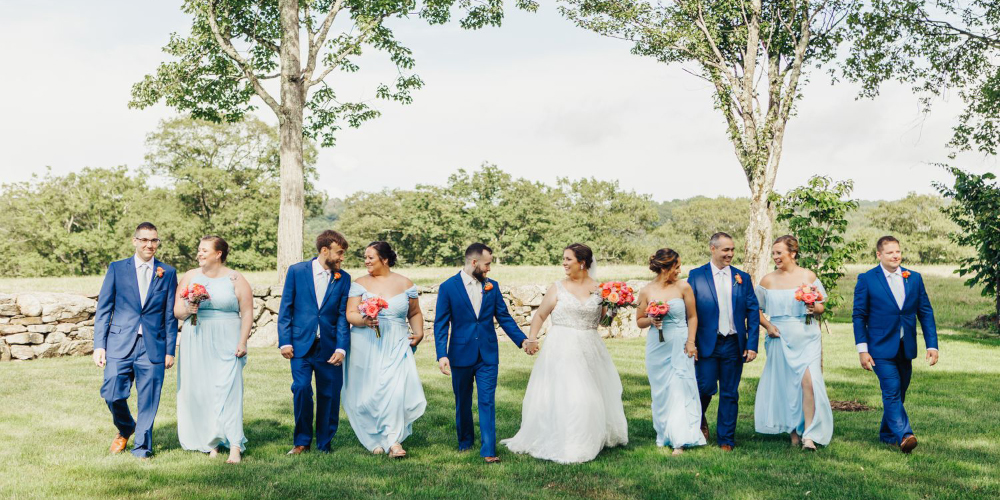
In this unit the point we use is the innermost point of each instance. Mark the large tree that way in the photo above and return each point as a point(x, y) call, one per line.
point(754, 53)
point(235, 46)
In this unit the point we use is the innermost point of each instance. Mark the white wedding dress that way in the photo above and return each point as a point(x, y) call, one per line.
point(573, 405)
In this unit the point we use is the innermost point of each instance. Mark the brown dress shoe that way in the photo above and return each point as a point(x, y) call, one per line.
point(298, 450)
point(908, 444)
point(492, 460)
point(726, 447)
point(704, 430)
point(118, 444)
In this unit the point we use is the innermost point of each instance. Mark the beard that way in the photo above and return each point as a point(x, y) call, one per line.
point(334, 265)
point(478, 274)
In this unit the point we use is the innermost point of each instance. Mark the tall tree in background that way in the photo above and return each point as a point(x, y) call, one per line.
point(975, 210)
point(235, 46)
point(753, 52)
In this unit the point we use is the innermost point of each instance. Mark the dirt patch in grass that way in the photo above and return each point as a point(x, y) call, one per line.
point(849, 406)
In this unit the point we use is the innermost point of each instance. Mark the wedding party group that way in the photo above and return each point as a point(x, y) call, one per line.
point(354, 341)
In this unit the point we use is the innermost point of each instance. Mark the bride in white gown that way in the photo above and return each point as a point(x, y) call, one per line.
point(573, 405)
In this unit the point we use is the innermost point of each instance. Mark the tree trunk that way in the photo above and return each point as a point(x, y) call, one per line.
point(291, 210)
point(759, 232)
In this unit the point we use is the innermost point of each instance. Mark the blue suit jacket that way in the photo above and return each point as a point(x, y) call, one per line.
point(746, 311)
point(120, 312)
point(472, 337)
point(877, 317)
point(299, 316)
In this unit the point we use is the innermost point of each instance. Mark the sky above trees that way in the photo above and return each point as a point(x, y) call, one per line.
point(538, 97)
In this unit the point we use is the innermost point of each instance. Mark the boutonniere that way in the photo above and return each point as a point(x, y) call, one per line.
point(159, 272)
point(336, 276)
point(488, 286)
point(906, 275)
point(738, 279)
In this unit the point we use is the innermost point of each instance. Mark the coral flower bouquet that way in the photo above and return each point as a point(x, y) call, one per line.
point(615, 295)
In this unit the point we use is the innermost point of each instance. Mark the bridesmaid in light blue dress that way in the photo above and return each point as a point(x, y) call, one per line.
point(382, 394)
point(212, 355)
point(791, 395)
point(670, 361)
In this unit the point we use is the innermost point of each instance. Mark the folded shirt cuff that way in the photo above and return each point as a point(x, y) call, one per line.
point(862, 347)
point(284, 346)
point(932, 348)
point(341, 351)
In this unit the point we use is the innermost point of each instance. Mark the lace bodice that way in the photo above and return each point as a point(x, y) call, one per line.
point(570, 312)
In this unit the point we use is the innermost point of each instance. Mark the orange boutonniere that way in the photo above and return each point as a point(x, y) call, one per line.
point(488, 287)
point(159, 272)
point(738, 279)
point(336, 276)
point(906, 274)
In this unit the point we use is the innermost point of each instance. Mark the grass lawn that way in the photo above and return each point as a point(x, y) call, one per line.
point(55, 430)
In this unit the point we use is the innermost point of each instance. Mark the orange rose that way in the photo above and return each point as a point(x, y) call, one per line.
point(371, 310)
point(336, 276)
point(605, 292)
point(613, 297)
point(488, 287)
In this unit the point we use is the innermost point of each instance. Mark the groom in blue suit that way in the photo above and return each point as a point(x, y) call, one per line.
point(467, 303)
point(135, 336)
point(728, 324)
point(888, 302)
point(314, 336)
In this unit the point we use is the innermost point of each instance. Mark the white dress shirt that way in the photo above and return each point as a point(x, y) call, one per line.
point(898, 289)
point(142, 266)
point(321, 282)
point(723, 279)
point(475, 290)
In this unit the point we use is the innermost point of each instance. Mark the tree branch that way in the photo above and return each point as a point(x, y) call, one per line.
point(316, 43)
point(335, 61)
point(243, 64)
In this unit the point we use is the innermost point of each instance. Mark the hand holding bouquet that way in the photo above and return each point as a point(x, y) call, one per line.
point(195, 294)
point(809, 295)
point(657, 310)
point(615, 295)
point(370, 308)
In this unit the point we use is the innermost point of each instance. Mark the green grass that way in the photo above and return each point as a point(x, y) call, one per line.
point(55, 430)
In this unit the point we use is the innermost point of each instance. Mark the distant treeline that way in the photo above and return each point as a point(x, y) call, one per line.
point(203, 178)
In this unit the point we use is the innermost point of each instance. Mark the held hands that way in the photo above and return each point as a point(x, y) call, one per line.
point(932, 357)
point(168, 361)
point(371, 322)
point(691, 349)
point(530, 346)
point(657, 322)
point(772, 331)
point(867, 362)
point(100, 358)
point(287, 352)
point(445, 366)
point(337, 359)
point(749, 355)
point(241, 350)
point(192, 308)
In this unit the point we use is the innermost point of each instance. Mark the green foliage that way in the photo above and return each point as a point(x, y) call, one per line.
point(816, 215)
point(976, 210)
point(920, 223)
point(524, 222)
point(940, 47)
point(690, 223)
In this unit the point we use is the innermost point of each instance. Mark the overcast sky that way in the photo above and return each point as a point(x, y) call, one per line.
point(538, 97)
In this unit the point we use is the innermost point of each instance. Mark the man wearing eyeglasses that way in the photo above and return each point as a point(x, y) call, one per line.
point(135, 335)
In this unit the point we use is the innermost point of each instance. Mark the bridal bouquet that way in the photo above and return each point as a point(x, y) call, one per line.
point(195, 294)
point(370, 308)
point(809, 295)
point(657, 310)
point(615, 295)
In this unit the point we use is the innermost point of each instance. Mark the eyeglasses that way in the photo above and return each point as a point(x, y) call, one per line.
point(146, 241)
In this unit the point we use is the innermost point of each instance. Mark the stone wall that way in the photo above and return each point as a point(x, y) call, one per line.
point(42, 325)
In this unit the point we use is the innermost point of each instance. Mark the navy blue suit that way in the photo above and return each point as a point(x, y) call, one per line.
point(878, 320)
point(473, 353)
point(130, 356)
point(299, 317)
point(720, 359)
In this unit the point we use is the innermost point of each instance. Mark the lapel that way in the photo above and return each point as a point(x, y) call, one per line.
point(307, 278)
point(710, 280)
point(482, 305)
point(132, 280)
point(734, 287)
point(880, 273)
point(329, 289)
point(153, 282)
point(906, 288)
point(460, 284)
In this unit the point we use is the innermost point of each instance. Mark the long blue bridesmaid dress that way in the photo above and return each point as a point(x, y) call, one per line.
point(209, 375)
point(382, 394)
point(676, 403)
point(778, 408)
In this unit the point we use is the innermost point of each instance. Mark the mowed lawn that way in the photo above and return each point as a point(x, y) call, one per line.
point(55, 430)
